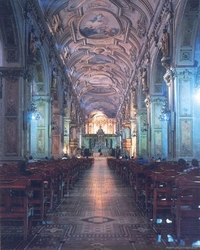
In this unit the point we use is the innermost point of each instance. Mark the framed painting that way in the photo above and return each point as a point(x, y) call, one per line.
point(99, 24)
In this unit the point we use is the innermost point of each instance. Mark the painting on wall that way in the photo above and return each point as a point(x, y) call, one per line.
point(158, 143)
point(186, 137)
point(157, 112)
point(40, 141)
point(185, 98)
point(99, 25)
point(41, 111)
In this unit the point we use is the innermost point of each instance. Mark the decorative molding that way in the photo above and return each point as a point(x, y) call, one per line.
point(11, 136)
point(11, 73)
point(169, 76)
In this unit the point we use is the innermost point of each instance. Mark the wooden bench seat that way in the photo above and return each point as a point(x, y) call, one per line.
point(187, 203)
point(14, 201)
point(38, 199)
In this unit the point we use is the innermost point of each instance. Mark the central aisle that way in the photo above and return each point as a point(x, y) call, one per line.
point(102, 214)
point(99, 214)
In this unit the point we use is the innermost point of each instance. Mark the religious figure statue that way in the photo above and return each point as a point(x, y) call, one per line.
point(32, 45)
point(144, 79)
point(100, 135)
point(165, 43)
point(54, 83)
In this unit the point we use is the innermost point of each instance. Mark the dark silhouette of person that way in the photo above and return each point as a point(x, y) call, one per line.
point(22, 165)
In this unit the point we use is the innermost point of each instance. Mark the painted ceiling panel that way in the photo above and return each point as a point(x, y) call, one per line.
point(99, 41)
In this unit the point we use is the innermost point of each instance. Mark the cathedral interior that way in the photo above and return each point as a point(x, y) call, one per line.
point(99, 78)
point(69, 68)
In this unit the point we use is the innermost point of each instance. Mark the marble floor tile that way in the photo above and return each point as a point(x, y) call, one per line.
point(99, 214)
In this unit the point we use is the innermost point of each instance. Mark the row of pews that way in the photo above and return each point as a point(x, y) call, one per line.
point(162, 187)
point(28, 197)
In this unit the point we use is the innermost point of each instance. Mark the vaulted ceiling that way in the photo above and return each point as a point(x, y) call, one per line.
point(99, 42)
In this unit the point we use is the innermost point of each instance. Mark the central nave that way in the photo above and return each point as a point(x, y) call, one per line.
point(98, 213)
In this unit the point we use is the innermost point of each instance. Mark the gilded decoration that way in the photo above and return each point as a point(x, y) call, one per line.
point(108, 125)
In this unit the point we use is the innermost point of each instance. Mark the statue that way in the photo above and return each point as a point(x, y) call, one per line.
point(165, 43)
point(144, 79)
point(100, 135)
point(32, 45)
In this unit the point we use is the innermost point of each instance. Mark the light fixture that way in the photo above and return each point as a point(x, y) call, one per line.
point(134, 134)
point(165, 113)
point(145, 126)
point(32, 112)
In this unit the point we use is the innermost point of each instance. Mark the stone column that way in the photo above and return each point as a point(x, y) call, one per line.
point(169, 79)
point(133, 151)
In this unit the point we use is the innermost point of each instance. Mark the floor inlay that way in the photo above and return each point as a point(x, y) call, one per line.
point(99, 214)
point(97, 220)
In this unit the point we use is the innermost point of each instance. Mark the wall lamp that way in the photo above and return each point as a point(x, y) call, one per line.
point(165, 114)
point(134, 134)
point(32, 112)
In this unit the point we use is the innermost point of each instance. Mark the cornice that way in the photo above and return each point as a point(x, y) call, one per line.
point(6, 72)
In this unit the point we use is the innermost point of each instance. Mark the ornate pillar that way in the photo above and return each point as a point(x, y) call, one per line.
point(133, 122)
point(133, 151)
point(148, 124)
point(66, 149)
point(55, 123)
point(169, 79)
point(11, 143)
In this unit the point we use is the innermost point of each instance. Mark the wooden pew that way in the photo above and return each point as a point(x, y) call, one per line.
point(163, 186)
point(187, 204)
point(14, 201)
point(54, 187)
point(38, 199)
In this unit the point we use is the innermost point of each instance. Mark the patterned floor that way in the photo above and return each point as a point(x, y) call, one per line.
point(99, 214)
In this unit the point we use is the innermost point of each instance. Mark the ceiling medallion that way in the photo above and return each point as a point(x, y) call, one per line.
point(99, 24)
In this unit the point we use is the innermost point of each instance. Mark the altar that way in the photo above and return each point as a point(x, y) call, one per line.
point(100, 146)
point(95, 154)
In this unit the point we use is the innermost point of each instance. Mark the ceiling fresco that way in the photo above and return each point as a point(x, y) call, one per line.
point(99, 42)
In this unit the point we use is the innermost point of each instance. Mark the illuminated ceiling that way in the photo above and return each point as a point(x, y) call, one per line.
point(100, 43)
